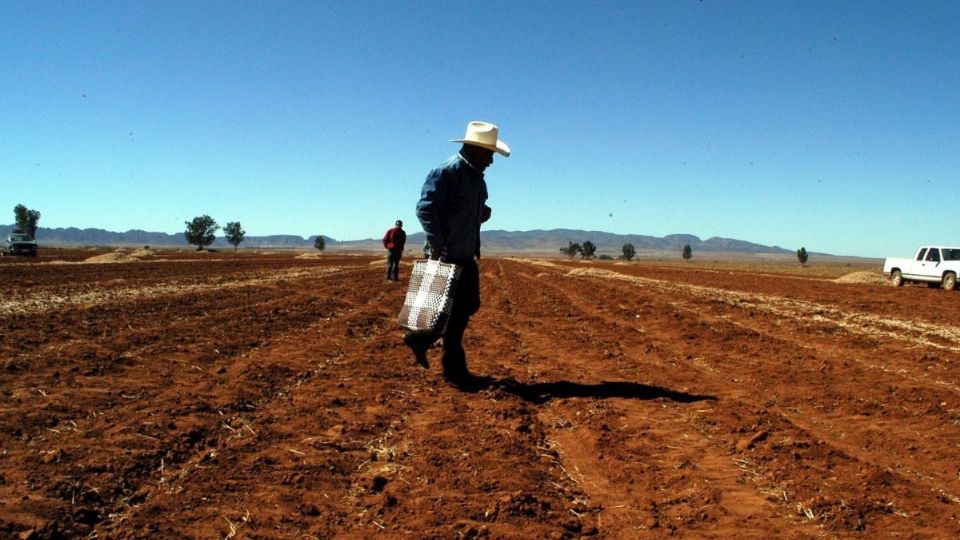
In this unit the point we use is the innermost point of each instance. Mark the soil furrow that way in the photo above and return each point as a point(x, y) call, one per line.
point(40, 302)
point(246, 395)
point(156, 439)
point(633, 455)
point(878, 457)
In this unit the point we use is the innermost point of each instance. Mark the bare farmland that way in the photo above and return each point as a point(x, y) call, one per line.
point(269, 396)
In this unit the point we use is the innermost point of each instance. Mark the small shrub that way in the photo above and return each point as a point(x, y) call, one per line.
point(587, 250)
point(571, 250)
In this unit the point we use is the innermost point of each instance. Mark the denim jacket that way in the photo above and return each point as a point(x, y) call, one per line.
point(451, 208)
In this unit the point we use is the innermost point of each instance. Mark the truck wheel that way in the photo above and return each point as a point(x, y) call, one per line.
point(949, 281)
point(896, 278)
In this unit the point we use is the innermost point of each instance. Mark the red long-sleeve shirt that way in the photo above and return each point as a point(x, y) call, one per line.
point(394, 239)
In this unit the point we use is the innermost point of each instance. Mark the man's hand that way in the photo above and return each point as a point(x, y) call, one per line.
point(485, 214)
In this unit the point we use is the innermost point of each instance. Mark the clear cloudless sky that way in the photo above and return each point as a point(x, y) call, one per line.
point(833, 125)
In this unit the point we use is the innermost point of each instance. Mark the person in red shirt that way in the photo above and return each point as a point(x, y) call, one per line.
point(394, 240)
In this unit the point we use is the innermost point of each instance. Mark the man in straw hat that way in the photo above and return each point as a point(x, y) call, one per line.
point(451, 209)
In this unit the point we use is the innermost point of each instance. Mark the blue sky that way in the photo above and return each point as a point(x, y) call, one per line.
point(829, 125)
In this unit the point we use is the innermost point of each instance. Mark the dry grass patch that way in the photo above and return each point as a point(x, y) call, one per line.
point(939, 336)
point(866, 277)
point(115, 257)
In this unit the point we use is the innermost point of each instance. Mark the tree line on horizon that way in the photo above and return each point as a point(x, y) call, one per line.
point(587, 250)
point(201, 232)
point(628, 252)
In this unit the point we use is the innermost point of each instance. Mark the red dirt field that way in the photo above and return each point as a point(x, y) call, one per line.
point(224, 395)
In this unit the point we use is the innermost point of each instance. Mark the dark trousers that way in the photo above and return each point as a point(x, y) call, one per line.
point(393, 264)
point(466, 303)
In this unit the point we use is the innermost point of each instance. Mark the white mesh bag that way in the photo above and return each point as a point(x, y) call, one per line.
point(429, 296)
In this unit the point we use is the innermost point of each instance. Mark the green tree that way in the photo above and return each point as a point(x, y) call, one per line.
point(234, 233)
point(201, 231)
point(802, 256)
point(571, 250)
point(687, 252)
point(588, 249)
point(629, 252)
point(26, 220)
point(320, 243)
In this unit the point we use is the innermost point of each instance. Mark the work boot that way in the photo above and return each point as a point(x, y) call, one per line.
point(467, 382)
point(457, 378)
point(418, 344)
point(455, 365)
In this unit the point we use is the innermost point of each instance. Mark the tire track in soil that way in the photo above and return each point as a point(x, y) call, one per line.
point(878, 456)
point(636, 456)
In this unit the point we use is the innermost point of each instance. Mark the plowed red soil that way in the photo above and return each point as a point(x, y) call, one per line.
point(269, 396)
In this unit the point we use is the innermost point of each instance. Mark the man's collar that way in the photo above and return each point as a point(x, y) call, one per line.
point(467, 161)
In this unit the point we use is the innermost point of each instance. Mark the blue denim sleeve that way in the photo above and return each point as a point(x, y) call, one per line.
point(428, 208)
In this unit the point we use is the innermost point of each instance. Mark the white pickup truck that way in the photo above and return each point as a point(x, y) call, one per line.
point(937, 266)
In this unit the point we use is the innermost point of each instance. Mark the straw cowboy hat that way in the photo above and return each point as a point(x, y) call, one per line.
point(484, 135)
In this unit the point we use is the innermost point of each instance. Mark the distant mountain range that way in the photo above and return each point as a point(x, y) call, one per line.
point(537, 241)
point(72, 236)
point(552, 240)
point(549, 242)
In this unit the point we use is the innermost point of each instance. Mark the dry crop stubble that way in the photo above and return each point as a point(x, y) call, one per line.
point(792, 333)
point(941, 336)
point(269, 396)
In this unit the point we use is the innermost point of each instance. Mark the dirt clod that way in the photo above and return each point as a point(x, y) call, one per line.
point(751, 441)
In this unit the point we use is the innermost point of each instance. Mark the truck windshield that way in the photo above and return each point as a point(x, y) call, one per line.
point(951, 254)
point(19, 238)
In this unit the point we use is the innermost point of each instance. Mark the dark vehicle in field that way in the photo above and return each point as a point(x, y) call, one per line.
point(19, 244)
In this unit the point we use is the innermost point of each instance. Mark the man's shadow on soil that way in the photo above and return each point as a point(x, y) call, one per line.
point(540, 393)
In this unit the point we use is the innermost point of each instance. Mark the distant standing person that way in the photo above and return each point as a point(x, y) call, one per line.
point(451, 208)
point(394, 240)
